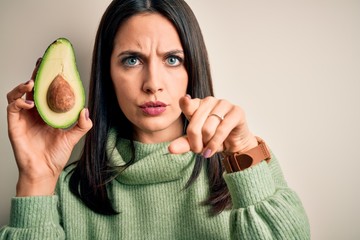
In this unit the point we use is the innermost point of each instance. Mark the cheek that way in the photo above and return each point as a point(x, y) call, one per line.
point(178, 90)
point(125, 104)
point(123, 94)
point(178, 81)
point(122, 91)
point(122, 86)
point(181, 85)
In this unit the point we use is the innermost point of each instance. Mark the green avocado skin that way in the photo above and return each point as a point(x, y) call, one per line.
point(59, 58)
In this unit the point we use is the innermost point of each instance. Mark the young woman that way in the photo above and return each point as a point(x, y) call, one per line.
point(152, 165)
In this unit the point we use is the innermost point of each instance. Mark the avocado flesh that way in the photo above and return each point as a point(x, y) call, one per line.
point(58, 92)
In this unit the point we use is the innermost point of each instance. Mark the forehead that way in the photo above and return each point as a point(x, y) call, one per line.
point(147, 28)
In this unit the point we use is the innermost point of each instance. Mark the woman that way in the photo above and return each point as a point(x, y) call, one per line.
point(151, 166)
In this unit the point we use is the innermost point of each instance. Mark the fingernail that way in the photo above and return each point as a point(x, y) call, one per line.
point(207, 153)
point(86, 114)
point(29, 102)
point(27, 82)
point(188, 96)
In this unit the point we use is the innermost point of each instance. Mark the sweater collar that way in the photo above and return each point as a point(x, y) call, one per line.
point(153, 162)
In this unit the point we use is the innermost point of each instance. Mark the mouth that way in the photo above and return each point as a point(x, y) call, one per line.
point(153, 108)
point(153, 104)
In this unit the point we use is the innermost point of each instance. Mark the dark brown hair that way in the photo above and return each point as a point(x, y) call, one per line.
point(92, 171)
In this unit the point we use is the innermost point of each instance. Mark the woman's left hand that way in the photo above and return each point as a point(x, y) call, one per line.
point(215, 125)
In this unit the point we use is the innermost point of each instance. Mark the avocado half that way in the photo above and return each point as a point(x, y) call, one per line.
point(59, 94)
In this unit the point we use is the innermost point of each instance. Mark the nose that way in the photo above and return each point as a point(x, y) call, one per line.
point(153, 79)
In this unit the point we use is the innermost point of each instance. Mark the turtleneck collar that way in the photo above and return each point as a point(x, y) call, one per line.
point(153, 162)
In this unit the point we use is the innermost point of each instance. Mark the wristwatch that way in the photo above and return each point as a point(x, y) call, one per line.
point(238, 161)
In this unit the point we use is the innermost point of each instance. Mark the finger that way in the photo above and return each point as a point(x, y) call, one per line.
point(14, 114)
point(37, 64)
point(30, 95)
point(19, 91)
point(223, 131)
point(198, 118)
point(179, 145)
point(27, 87)
point(214, 118)
point(189, 106)
point(83, 125)
point(19, 104)
point(209, 128)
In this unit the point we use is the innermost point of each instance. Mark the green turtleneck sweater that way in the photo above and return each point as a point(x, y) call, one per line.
point(153, 203)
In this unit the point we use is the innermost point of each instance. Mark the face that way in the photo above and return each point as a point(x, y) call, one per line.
point(149, 77)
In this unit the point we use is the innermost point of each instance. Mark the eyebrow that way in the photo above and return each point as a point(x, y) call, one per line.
point(129, 52)
point(137, 53)
point(175, 52)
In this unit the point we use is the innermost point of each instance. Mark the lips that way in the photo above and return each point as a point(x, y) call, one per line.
point(153, 108)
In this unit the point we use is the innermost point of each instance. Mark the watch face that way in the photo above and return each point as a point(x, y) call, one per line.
point(244, 161)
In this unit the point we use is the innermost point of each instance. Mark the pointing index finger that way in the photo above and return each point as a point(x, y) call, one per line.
point(189, 106)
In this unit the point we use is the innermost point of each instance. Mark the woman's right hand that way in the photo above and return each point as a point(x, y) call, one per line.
point(41, 152)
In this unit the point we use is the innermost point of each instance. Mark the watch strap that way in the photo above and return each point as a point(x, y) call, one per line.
point(239, 161)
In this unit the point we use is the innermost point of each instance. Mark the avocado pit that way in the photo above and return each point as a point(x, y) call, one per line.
point(60, 96)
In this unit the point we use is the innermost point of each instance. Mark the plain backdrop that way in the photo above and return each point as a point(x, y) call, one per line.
point(294, 66)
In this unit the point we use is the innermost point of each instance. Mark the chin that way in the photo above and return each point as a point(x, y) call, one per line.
point(160, 130)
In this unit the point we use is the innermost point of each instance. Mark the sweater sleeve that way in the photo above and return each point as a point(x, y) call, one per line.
point(263, 205)
point(33, 218)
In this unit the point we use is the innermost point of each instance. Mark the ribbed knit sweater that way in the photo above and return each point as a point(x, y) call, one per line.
point(153, 203)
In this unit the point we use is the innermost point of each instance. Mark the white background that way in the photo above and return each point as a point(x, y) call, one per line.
point(294, 66)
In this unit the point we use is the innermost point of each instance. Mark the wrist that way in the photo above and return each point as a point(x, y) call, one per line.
point(41, 187)
point(238, 161)
point(251, 143)
point(246, 143)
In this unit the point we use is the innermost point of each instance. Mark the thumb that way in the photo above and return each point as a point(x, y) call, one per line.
point(179, 145)
point(83, 125)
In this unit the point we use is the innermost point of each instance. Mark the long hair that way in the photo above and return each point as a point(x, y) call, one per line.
point(92, 172)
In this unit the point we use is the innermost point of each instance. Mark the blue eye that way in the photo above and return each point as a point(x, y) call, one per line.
point(131, 61)
point(173, 61)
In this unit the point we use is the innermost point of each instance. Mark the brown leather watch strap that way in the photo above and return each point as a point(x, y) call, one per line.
point(239, 161)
